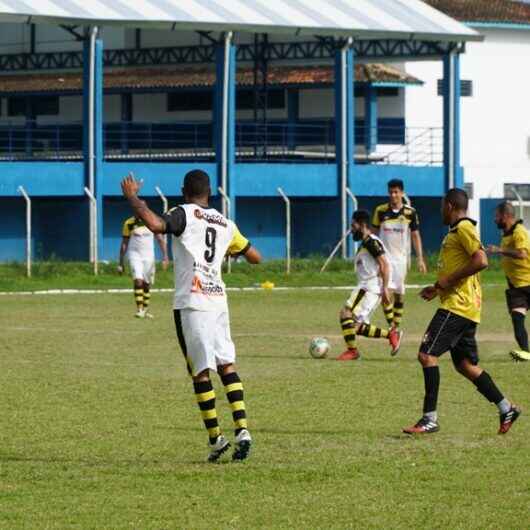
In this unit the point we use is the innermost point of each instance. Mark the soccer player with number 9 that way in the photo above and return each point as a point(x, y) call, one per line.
point(201, 237)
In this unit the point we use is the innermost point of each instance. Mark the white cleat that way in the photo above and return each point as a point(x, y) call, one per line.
point(148, 315)
point(242, 445)
point(520, 355)
point(220, 446)
point(140, 313)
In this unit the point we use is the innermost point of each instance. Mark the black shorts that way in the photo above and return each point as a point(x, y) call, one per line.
point(450, 332)
point(518, 297)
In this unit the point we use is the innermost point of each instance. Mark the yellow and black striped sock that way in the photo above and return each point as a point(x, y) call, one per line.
point(234, 394)
point(348, 332)
point(147, 299)
point(206, 399)
point(139, 298)
point(398, 311)
point(373, 332)
point(389, 313)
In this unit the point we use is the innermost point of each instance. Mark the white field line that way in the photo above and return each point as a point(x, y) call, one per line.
point(229, 289)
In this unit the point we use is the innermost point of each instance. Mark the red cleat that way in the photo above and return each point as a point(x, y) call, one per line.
point(394, 338)
point(351, 354)
point(424, 426)
point(508, 419)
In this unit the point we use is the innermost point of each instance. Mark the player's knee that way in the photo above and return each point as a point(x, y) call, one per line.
point(225, 369)
point(202, 376)
point(426, 360)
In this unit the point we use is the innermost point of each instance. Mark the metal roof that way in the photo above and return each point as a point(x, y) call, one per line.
point(361, 19)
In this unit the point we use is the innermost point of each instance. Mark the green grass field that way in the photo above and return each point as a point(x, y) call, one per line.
point(99, 428)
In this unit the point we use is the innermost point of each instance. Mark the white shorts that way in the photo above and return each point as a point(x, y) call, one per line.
point(142, 269)
point(362, 304)
point(204, 337)
point(398, 276)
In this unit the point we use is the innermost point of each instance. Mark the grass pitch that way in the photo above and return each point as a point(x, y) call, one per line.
point(99, 427)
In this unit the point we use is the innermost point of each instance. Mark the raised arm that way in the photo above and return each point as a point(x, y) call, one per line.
point(130, 188)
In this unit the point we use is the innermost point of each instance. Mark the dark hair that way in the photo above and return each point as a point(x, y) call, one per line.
point(361, 216)
point(506, 208)
point(457, 198)
point(396, 183)
point(196, 183)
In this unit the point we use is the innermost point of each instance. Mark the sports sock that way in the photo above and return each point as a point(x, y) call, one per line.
point(205, 395)
point(234, 394)
point(431, 416)
point(389, 313)
point(521, 335)
point(399, 304)
point(488, 388)
point(431, 377)
point(373, 332)
point(348, 332)
point(139, 298)
point(147, 299)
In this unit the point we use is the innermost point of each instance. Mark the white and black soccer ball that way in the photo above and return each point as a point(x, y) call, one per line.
point(319, 348)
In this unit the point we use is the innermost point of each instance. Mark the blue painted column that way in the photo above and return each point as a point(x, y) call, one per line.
point(345, 135)
point(225, 119)
point(370, 119)
point(293, 114)
point(98, 128)
point(451, 130)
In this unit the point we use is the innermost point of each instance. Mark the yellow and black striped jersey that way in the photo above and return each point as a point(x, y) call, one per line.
point(465, 298)
point(394, 228)
point(517, 270)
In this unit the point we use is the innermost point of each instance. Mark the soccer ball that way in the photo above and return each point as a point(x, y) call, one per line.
point(319, 348)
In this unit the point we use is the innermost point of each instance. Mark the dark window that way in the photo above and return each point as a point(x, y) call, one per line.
point(382, 91)
point(16, 106)
point(189, 100)
point(275, 99)
point(45, 106)
point(40, 106)
point(466, 88)
point(522, 189)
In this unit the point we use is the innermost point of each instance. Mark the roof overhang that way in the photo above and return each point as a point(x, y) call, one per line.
point(359, 19)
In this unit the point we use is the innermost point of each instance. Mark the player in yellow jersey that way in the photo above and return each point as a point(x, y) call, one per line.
point(515, 252)
point(453, 327)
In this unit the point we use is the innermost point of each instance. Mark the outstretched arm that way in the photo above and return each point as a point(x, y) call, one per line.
point(130, 188)
point(418, 249)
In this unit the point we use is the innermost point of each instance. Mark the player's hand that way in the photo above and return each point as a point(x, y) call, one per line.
point(165, 264)
point(120, 269)
point(422, 266)
point(385, 297)
point(429, 293)
point(493, 249)
point(130, 186)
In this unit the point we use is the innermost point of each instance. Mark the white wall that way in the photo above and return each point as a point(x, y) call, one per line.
point(495, 121)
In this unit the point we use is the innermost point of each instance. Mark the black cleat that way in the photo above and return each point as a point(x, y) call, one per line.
point(220, 446)
point(242, 445)
point(424, 426)
point(508, 419)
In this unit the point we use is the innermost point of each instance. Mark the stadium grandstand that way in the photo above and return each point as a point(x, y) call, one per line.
point(312, 100)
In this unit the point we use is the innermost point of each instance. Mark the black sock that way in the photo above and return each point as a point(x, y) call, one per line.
point(521, 336)
point(431, 376)
point(488, 388)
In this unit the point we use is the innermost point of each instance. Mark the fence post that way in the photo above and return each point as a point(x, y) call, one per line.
point(163, 198)
point(520, 200)
point(355, 206)
point(287, 228)
point(94, 238)
point(226, 199)
point(28, 230)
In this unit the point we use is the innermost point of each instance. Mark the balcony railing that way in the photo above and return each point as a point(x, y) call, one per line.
point(275, 141)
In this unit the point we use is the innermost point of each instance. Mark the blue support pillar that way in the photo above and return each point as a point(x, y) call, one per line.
point(370, 119)
point(451, 112)
point(345, 135)
point(225, 119)
point(97, 160)
point(293, 114)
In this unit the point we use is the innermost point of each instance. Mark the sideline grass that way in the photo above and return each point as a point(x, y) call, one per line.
point(305, 272)
point(99, 428)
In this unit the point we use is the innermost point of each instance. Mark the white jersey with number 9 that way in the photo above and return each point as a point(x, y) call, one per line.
point(198, 255)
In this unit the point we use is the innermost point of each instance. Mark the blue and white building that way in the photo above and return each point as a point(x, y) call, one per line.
point(313, 98)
